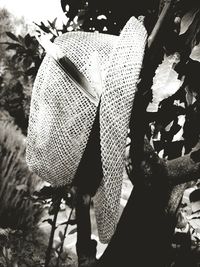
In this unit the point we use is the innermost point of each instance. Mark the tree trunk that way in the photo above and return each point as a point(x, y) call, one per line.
point(144, 232)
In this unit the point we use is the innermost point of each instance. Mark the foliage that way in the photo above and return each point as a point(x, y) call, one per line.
point(5, 255)
point(26, 53)
point(57, 196)
point(178, 113)
point(14, 100)
point(5, 25)
point(51, 29)
point(108, 16)
point(20, 59)
point(29, 251)
point(24, 60)
point(17, 209)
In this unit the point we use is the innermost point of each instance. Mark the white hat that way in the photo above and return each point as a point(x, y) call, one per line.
point(61, 116)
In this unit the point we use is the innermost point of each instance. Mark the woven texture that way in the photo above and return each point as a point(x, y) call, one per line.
point(61, 117)
point(115, 111)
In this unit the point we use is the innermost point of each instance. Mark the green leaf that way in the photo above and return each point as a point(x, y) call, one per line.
point(12, 36)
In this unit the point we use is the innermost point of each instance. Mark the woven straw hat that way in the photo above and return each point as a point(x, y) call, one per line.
point(61, 117)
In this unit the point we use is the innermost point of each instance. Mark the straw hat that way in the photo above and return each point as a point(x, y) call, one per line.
point(61, 116)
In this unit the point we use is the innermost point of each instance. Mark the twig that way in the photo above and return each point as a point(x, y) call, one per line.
point(159, 24)
point(63, 239)
point(53, 228)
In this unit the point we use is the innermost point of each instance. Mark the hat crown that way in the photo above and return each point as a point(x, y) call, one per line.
point(61, 116)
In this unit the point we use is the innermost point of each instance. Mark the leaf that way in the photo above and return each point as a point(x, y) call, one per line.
point(52, 209)
point(191, 71)
point(49, 221)
point(182, 220)
point(13, 46)
point(195, 54)
point(4, 236)
point(43, 27)
point(191, 37)
point(31, 72)
point(53, 23)
point(45, 193)
point(165, 82)
point(21, 39)
point(27, 61)
point(70, 222)
point(73, 231)
point(12, 36)
point(28, 40)
point(57, 246)
point(189, 97)
point(186, 21)
point(61, 236)
point(14, 57)
point(55, 206)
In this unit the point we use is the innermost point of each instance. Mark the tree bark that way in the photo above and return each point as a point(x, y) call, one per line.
point(145, 229)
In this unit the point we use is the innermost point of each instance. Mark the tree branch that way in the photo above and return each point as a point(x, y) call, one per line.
point(149, 218)
point(182, 170)
point(177, 171)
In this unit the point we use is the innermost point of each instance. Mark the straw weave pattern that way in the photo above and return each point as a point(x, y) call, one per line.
point(115, 111)
point(61, 117)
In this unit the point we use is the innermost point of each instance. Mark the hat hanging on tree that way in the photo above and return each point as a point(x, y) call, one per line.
point(62, 112)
